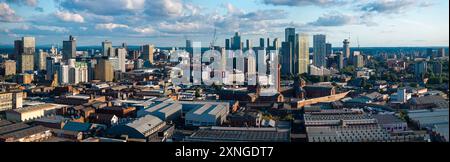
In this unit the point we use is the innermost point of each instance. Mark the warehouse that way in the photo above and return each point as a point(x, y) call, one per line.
point(207, 115)
point(31, 112)
point(239, 134)
point(165, 111)
point(137, 130)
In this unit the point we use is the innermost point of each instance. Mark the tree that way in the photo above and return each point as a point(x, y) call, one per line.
point(414, 85)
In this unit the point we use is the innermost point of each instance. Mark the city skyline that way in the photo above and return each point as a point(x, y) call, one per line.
point(168, 23)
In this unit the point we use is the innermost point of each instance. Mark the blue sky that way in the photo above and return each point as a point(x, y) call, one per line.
point(375, 23)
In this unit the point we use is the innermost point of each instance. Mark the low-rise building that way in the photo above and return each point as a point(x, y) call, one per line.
point(239, 134)
point(31, 112)
point(165, 111)
point(138, 130)
point(207, 115)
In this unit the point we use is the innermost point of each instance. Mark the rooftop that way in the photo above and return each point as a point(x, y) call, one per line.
point(242, 134)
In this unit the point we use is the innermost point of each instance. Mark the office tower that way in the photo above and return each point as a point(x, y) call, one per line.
point(40, 60)
point(107, 48)
point(303, 49)
point(420, 69)
point(104, 71)
point(358, 60)
point(9, 67)
point(91, 69)
point(268, 42)
point(69, 48)
point(319, 50)
point(138, 64)
point(121, 55)
point(236, 42)
point(125, 45)
point(437, 68)
point(261, 42)
point(289, 35)
point(286, 58)
point(26, 50)
point(18, 49)
point(50, 61)
point(329, 49)
point(248, 44)
point(441, 52)
point(346, 49)
point(147, 53)
point(340, 60)
point(276, 43)
point(227, 44)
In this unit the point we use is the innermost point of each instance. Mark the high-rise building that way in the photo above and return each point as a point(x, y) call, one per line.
point(319, 43)
point(420, 69)
point(289, 34)
point(69, 48)
point(236, 42)
point(40, 60)
point(286, 58)
point(276, 43)
point(227, 44)
point(248, 44)
point(346, 48)
point(26, 50)
point(107, 48)
point(9, 67)
point(121, 55)
point(340, 60)
point(147, 53)
point(402, 96)
point(303, 49)
point(18, 49)
point(261, 42)
point(329, 49)
point(104, 70)
point(358, 60)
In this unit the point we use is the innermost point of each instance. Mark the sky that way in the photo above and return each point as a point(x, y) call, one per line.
point(167, 23)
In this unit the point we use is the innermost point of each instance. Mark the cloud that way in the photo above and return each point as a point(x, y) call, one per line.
point(166, 8)
point(69, 17)
point(265, 15)
point(7, 14)
point(110, 26)
point(321, 3)
point(391, 6)
point(31, 3)
point(334, 19)
point(103, 7)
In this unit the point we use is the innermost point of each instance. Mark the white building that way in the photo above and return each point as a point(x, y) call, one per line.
point(31, 112)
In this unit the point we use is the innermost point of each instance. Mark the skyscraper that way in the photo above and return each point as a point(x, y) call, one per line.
point(346, 49)
point(340, 60)
point(121, 55)
point(26, 50)
point(69, 48)
point(248, 44)
point(227, 44)
point(329, 49)
point(104, 71)
point(261, 42)
point(289, 34)
point(147, 53)
point(236, 42)
point(319, 43)
point(303, 48)
point(286, 58)
point(40, 60)
point(107, 48)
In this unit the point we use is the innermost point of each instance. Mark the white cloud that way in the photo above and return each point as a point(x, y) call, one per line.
point(69, 17)
point(7, 14)
point(110, 26)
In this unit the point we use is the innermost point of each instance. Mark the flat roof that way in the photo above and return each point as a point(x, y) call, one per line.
point(240, 134)
point(35, 108)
